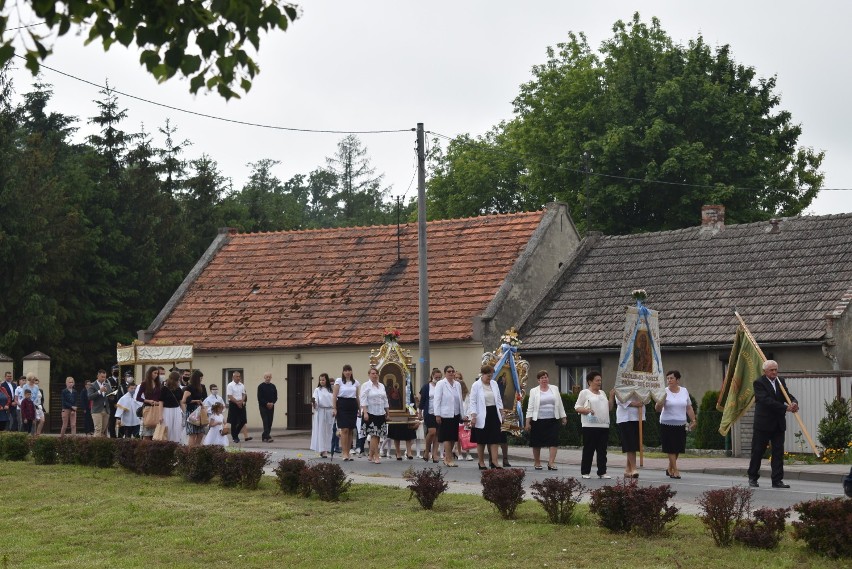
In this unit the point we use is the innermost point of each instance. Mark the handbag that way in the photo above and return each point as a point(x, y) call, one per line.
point(203, 419)
point(150, 416)
point(161, 433)
point(225, 430)
point(140, 411)
point(464, 438)
point(195, 417)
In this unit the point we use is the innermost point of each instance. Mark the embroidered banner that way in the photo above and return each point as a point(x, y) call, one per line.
point(640, 370)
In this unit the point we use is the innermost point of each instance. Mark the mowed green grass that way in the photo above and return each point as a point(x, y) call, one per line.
point(69, 516)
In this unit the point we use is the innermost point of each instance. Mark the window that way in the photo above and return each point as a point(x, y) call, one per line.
point(227, 375)
point(572, 374)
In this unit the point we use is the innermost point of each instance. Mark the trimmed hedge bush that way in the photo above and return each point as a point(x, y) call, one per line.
point(14, 446)
point(156, 458)
point(825, 526)
point(198, 464)
point(125, 453)
point(44, 450)
point(426, 485)
point(504, 487)
point(66, 449)
point(326, 479)
point(626, 506)
point(558, 497)
point(101, 451)
point(243, 469)
point(289, 474)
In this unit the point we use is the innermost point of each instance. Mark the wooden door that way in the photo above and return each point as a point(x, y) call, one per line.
point(300, 385)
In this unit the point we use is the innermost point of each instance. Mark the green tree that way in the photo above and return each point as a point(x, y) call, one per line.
point(269, 204)
point(205, 189)
point(359, 195)
point(202, 40)
point(669, 127)
point(173, 165)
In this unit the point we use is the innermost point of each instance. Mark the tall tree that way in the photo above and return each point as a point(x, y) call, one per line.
point(360, 194)
point(201, 40)
point(173, 164)
point(205, 188)
point(669, 128)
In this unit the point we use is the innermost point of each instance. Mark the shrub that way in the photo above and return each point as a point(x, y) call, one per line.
point(722, 510)
point(156, 458)
point(243, 469)
point(825, 526)
point(44, 450)
point(504, 487)
point(558, 496)
point(101, 451)
point(305, 483)
point(14, 446)
point(198, 464)
point(288, 473)
point(707, 430)
point(764, 531)
point(82, 452)
point(326, 479)
point(626, 506)
point(835, 429)
point(125, 453)
point(426, 484)
point(66, 449)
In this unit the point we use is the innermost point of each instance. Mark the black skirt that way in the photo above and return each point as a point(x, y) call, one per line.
point(347, 409)
point(628, 432)
point(448, 430)
point(490, 434)
point(376, 427)
point(429, 419)
point(544, 433)
point(673, 438)
point(401, 433)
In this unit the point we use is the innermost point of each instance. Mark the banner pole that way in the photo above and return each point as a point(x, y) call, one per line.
point(783, 391)
point(641, 439)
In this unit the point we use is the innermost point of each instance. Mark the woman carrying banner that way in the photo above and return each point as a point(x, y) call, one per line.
point(674, 410)
point(627, 423)
point(594, 407)
point(545, 412)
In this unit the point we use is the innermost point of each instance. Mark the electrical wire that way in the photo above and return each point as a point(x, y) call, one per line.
point(223, 119)
point(633, 179)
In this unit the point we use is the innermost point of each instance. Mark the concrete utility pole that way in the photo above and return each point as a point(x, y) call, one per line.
point(423, 368)
point(587, 169)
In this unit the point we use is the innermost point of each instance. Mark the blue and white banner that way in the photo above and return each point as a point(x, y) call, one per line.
point(640, 369)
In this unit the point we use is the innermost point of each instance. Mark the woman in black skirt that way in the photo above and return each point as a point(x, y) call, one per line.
point(374, 412)
point(345, 408)
point(486, 415)
point(627, 423)
point(402, 432)
point(545, 412)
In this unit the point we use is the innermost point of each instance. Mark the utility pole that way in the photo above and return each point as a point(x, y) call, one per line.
point(587, 158)
point(423, 369)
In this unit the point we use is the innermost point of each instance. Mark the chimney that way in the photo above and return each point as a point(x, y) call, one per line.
point(712, 218)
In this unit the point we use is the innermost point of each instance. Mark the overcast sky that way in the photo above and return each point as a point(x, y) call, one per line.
point(455, 66)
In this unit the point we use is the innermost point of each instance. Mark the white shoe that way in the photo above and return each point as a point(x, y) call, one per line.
point(587, 476)
point(605, 477)
point(468, 457)
point(384, 454)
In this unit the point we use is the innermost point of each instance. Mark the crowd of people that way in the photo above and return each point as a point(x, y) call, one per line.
point(173, 406)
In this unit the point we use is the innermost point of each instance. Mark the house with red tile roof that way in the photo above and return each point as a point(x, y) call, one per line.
point(299, 303)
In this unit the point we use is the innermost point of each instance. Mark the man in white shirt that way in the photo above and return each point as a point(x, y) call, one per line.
point(237, 417)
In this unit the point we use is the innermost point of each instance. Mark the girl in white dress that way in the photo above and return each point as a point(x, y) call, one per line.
point(214, 435)
point(322, 402)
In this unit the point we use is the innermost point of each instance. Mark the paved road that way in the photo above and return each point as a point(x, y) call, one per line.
point(699, 474)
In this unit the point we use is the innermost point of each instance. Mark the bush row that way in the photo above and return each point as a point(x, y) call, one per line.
point(295, 476)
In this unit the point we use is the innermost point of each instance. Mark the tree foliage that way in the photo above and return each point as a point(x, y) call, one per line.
point(669, 128)
point(202, 40)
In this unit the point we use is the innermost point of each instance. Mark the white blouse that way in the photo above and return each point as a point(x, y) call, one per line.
point(674, 408)
point(374, 398)
point(346, 389)
point(597, 403)
point(323, 397)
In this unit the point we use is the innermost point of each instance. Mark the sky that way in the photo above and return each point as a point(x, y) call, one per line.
point(455, 66)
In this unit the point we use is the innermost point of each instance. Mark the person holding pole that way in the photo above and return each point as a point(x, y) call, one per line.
point(627, 423)
point(770, 423)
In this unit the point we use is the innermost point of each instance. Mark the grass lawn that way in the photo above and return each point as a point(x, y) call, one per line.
point(71, 516)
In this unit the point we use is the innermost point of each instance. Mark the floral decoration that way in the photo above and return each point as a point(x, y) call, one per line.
point(511, 337)
point(639, 295)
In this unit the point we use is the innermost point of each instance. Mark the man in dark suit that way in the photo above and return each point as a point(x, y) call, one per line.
point(770, 423)
point(9, 387)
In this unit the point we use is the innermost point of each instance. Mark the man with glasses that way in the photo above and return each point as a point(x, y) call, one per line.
point(770, 423)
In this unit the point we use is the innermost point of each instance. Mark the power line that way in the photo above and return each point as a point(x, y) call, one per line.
point(26, 26)
point(223, 119)
point(633, 179)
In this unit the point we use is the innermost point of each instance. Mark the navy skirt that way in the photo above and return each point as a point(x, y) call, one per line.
point(490, 434)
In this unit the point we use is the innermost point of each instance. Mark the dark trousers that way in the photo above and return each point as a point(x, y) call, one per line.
point(759, 441)
point(13, 419)
point(237, 419)
point(27, 426)
point(111, 426)
point(595, 440)
point(266, 416)
point(88, 423)
point(128, 432)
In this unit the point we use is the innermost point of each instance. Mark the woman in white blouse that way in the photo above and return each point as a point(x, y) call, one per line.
point(676, 408)
point(374, 409)
point(545, 412)
point(486, 416)
point(321, 401)
point(594, 407)
point(345, 408)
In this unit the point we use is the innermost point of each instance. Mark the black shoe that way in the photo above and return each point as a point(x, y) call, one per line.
point(237, 439)
point(249, 438)
point(780, 485)
point(753, 483)
point(492, 465)
point(506, 464)
point(482, 467)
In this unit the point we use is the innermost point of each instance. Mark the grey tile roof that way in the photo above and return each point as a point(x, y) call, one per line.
point(784, 284)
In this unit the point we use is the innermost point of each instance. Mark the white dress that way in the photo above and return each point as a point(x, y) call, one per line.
point(322, 420)
point(213, 436)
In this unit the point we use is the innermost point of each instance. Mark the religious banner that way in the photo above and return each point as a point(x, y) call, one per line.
point(510, 373)
point(394, 366)
point(745, 365)
point(640, 369)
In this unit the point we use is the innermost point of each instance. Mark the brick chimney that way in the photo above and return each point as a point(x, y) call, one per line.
point(712, 218)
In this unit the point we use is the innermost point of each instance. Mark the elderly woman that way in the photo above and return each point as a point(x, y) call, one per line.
point(594, 407)
point(627, 423)
point(374, 411)
point(486, 415)
point(545, 412)
point(344, 403)
point(674, 410)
